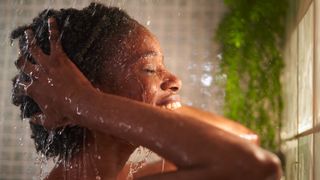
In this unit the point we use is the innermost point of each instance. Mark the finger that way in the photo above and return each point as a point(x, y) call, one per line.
point(36, 52)
point(19, 62)
point(42, 119)
point(54, 35)
point(18, 90)
point(27, 67)
point(25, 87)
point(39, 119)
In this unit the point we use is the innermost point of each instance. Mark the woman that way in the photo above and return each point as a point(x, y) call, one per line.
point(101, 90)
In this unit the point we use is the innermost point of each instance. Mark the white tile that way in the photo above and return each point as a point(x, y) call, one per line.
point(290, 89)
point(305, 158)
point(317, 156)
point(317, 61)
point(305, 72)
point(290, 150)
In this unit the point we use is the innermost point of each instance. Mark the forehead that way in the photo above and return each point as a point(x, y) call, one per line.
point(137, 45)
point(142, 43)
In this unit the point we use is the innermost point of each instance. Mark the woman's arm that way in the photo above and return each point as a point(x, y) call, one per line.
point(182, 139)
point(198, 150)
point(221, 123)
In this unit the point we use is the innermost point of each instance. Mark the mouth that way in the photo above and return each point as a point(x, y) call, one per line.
point(171, 106)
point(171, 102)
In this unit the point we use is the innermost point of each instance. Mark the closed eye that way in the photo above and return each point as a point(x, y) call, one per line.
point(149, 71)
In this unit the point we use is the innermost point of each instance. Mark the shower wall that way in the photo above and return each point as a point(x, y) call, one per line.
point(301, 79)
point(185, 29)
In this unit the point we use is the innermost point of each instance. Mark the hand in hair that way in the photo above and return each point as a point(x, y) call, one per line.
point(46, 82)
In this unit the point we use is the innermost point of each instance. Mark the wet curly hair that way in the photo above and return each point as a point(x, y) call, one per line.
point(84, 34)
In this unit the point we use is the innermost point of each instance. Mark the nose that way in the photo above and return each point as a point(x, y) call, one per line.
point(171, 83)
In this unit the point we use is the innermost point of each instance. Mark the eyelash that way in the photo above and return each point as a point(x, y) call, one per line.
point(151, 71)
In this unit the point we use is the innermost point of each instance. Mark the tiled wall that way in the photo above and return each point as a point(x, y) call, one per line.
point(301, 79)
point(185, 29)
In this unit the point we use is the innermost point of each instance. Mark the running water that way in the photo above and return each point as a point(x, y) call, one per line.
point(138, 160)
point(175, 58)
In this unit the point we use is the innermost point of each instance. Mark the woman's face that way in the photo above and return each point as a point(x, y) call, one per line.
point(137, 71)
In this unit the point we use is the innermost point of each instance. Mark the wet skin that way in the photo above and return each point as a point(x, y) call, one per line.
point(138, 73)
point(199, 149)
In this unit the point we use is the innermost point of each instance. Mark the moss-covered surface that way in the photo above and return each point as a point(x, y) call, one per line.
point(251, 34)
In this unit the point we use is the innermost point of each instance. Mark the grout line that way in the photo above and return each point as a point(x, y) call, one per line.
point(315, 94)
point(314, 130)
point(297, 80)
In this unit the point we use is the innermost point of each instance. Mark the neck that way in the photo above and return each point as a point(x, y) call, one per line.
point(102, 157)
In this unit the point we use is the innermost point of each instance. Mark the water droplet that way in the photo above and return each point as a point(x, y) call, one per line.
point(206, 80)
point(68, 99)
point(163, 163)
point(148, 22)
point(78, 111)
point(207, 67)
point(50, 82)
point(159, 145)
point(140, 129)
point(101, 120)
point(98, 178)
point(125, 126)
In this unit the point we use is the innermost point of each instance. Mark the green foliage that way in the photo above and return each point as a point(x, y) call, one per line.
point(250, 36)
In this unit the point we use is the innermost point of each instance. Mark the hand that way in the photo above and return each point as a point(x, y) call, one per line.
point(56, 83)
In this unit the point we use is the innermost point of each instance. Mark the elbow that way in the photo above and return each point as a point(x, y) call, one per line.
point(269, 166)
point(274, 166)
point(259, 164)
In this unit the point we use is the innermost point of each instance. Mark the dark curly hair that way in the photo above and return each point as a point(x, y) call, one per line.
point(84, 34)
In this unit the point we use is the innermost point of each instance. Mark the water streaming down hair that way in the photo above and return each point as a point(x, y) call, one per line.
point(84, 37)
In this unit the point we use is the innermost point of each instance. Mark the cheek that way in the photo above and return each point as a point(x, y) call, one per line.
point(143, 89)
point(150, 94)
point(139, 87)
point(132, 88)
point(150, 91)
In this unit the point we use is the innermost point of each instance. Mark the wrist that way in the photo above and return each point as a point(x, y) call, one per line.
point(80, 103)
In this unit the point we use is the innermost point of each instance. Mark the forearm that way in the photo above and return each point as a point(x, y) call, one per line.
point(221, 123)
point(183, 140)
point(144, 125)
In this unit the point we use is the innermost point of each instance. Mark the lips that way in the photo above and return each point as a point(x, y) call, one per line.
point(170, 102)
